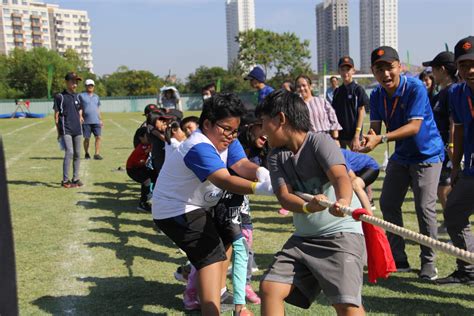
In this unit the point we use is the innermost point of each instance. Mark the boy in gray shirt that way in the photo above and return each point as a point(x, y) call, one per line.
point(327, 251)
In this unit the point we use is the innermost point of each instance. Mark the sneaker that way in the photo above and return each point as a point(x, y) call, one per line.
point(98, 157)
point(87, 156)
point(372, 205)
point(182, 272)
point(403, 266)
point(243, 312)
point(457, 277)
point(227, 300)
point(428, 272)
point(76, 183)
point(190, 300)
point(283, 212)
point(144, 207)
point(66, 184)
point(251, 296)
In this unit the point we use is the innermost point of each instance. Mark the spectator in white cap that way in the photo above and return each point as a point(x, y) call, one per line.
point(92, 119)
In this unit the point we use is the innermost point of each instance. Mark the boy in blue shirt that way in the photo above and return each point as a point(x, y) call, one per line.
point(460, 203)
point(402, 104)
point(257, 81)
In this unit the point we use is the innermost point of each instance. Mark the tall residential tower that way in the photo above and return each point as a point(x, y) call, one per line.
point(27, 24)
point(240, 16)
point(332, 33)
point(378, 27)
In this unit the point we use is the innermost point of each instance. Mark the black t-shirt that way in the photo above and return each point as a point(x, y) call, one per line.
point(346, 103)
point(68, 106)
point(440, 107)
point(157, 152)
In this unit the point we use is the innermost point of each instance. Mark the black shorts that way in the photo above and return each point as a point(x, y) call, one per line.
point(227, 221)
point(368, 175)
point(139, 175)
point(196, 234)
point(96, 129)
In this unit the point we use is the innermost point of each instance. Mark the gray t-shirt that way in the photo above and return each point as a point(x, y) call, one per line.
point(90, 107)
point(305, 171)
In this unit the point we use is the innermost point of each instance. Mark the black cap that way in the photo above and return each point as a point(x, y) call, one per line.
point(345, 61)
point(464, 49)
point(72, 76)
point(150, 108)
point(443, 58)
point(175, 114)
point(384, 53)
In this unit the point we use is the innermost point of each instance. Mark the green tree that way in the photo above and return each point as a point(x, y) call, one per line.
point(203, 75)
point(282, 53)
point(126, 82)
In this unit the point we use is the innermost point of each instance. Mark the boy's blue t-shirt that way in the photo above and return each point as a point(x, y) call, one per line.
point(459, 96)
point(262, 93)
point(357, 161)
point(68, 106)
point(413, 103)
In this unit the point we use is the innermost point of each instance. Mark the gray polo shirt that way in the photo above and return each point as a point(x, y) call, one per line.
point(305, 171)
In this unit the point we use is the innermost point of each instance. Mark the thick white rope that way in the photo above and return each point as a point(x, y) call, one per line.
point(400, 231)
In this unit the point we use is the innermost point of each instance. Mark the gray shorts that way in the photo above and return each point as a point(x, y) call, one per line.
point(333, 264)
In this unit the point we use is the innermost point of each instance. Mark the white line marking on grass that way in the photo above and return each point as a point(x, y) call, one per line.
point(120, 126)
point(28, 148)
point(22, 128)
point(136, 121)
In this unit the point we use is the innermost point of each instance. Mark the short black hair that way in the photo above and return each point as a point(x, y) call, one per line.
point(152, 117)
point(209, 87)
point(141, 131)
point(333, 77)
point(288, 103)
point(188, 119)
point(290, 82)
point(221, 106)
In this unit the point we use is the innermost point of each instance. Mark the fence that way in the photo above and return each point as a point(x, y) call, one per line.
point(190, 102)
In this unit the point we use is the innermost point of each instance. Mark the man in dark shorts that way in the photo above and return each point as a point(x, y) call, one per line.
point(92, 119)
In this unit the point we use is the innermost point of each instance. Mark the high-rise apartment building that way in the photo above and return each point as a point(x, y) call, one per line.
point(332, 33)
point(28, 24)
point(240, 16)
point(378, 27)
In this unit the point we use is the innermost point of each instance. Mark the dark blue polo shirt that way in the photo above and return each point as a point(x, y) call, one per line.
point(346, 102)
point(441, 112)
point(458, 99)
point(68, 106)
point(424, 147)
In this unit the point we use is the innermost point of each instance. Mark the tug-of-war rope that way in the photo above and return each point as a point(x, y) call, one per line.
point(400, 231)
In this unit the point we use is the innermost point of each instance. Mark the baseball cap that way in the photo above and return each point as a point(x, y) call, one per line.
point(257, 74)
point(150, 108)
point(345, 61)
point(441, 59)
point(464, 49)
point(383, 53)
point(71, 76)
point(90, 82)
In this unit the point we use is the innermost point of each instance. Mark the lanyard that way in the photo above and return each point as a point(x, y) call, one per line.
point(469, 101)
point(394, 106)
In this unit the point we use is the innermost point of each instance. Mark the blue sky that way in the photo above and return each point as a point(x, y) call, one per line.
point(181, 35)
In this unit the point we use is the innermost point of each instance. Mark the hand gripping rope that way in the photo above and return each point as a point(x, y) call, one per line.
point(400, 231)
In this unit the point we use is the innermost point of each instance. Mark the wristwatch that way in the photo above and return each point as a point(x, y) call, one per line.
point(384, 138)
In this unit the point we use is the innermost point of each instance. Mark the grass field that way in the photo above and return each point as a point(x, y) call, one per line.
point(88, 251)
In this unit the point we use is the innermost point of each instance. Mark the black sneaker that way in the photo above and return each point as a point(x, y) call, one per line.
point(98, 157)
point(76, 183)
point(403, 266)
point(428, 272)
point(66, 184)
point(457, 277)
point(144, 207)
point(87, 156)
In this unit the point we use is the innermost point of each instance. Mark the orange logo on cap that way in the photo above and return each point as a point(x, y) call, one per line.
point(467, 46)
point(381, 52)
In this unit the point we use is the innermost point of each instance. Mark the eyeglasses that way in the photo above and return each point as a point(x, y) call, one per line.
point(228, 132)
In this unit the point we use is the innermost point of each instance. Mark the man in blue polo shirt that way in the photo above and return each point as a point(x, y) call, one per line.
point(92, 119)
point(257, 81)
point(460, 203)
point(402, 104)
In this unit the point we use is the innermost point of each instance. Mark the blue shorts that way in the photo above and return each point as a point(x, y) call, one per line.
point(94, 128)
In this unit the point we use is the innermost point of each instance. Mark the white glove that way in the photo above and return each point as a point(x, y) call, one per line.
point(264, 188)
point(263, 174)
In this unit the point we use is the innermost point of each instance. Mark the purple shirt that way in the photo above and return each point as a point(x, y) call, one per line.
point(322, 115)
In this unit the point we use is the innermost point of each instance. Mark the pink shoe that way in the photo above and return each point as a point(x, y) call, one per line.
point(251, 295)
point(190, 300)
point(283, 212)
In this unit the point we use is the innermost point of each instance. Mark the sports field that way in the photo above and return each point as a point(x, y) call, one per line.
point(87, 251)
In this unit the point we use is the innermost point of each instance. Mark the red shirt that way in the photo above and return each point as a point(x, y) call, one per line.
point(138, 157)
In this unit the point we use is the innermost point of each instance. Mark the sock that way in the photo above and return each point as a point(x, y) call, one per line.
point(223, 290)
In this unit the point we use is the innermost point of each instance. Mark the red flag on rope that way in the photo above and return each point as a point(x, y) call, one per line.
point(380, 260)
